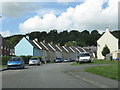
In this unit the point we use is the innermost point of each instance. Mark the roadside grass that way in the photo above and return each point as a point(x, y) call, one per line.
point(97, 62)
point(2, 66)
point(110, 71)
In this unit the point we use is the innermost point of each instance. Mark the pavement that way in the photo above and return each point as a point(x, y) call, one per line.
point(55, 75)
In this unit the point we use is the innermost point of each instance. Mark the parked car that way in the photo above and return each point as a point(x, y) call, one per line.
point(84, 57)
point(16, 62)
point(58, 60)
point(71, 60)
point(34, 61)
point(66, 60)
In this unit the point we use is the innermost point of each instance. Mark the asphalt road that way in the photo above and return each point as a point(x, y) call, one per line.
point(57, 75)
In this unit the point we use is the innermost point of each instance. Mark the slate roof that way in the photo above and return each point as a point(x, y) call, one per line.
point(48, 47)
point(70, 51)
point(3, 41)
point(87, 50)
point(74, 49)
point(55, 47)
point(32, 43)
point(63, 50)
point(81, 49)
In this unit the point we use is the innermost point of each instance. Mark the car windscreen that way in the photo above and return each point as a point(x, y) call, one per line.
point(15, 59)
point(84, 54)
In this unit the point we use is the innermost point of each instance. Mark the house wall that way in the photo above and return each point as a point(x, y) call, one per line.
point(109, 40)
point(52, 56)
point(116, 55)
point(44, 55)
point(65, 55)
point(58, 54)
point(72, 56)
point(24, 48)
point(37, 52)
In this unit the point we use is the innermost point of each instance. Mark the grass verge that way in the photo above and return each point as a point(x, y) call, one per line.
point(110, 71)
point(97, 62)
point(2, 66)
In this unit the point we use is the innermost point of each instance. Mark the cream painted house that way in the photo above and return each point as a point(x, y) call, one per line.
point(106, 39)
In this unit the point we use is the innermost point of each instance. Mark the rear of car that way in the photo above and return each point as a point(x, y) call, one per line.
point(58, 60)
point(15, 62)
point(34, 61)
point(66, 60)
point(84, 57)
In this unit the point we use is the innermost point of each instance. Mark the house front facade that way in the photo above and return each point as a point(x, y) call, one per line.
point(27, 47)
point(4, 47)
point(106, 39)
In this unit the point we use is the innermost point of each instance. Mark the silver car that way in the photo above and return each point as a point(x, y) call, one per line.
point(34, 61)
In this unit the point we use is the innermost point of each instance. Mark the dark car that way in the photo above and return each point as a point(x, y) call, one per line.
point(58, 60)
point(15, 62)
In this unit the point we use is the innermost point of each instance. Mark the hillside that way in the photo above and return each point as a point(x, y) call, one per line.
point(72, 38)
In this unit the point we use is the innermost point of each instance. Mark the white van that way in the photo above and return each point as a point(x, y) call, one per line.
point(84, 57)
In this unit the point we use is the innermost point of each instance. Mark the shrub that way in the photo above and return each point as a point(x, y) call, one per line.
point(105, 51)
point(5, 59)
point(26, 59)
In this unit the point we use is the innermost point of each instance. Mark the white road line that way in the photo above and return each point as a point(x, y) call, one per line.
point(88, 80)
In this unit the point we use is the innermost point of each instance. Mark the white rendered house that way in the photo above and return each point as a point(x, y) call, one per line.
point(106, 39)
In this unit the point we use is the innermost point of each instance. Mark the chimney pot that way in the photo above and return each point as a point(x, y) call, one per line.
point(27, 36)
point(36, 39)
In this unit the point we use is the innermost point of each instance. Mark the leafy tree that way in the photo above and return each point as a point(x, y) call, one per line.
point(71, 43)
point(105, 51)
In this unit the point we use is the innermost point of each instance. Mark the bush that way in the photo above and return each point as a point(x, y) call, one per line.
point(5, 59)
point(105, 51)
point(26, 59)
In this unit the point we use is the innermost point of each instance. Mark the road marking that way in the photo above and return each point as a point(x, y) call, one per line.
point(89, 81)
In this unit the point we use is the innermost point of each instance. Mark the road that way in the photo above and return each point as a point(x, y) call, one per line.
point(57, 75)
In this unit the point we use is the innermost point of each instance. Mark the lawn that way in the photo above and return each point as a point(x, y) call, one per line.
point(97, 62)
point(110, 71)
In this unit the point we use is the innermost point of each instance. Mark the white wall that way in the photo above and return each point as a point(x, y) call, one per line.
point(109, 40)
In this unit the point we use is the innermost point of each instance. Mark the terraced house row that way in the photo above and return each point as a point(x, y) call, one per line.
point(47, 51)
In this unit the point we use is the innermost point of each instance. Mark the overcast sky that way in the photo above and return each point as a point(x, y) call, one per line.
point(23, 17)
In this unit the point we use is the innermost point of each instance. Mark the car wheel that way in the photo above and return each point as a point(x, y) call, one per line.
point(23, 67)
point(80, 62)
point(89, 61)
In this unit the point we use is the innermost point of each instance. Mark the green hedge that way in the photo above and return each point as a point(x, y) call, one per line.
point(26, 59)
point(5, 59)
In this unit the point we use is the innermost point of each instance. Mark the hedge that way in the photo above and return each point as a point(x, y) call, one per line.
point(5, 59)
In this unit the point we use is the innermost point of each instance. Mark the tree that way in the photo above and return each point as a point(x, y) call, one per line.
point(71, 43)
point(105, 51)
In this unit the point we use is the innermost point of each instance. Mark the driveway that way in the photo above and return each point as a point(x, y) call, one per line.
point(56, 75)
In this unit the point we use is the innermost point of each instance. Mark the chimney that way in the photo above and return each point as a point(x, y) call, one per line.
point(58, 44)
point(43, 41)
point(51, 42)
point(107, 29)
point(36, 39)
point(27, 36)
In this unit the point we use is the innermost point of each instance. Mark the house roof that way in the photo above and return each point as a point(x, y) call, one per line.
point(63, 50)
point(55, 47)
point(107, 32)
point(32, 43)
point(48, 47)
point(68, 49)
point(74, 48)
point(80, 49)
point(3, 41)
